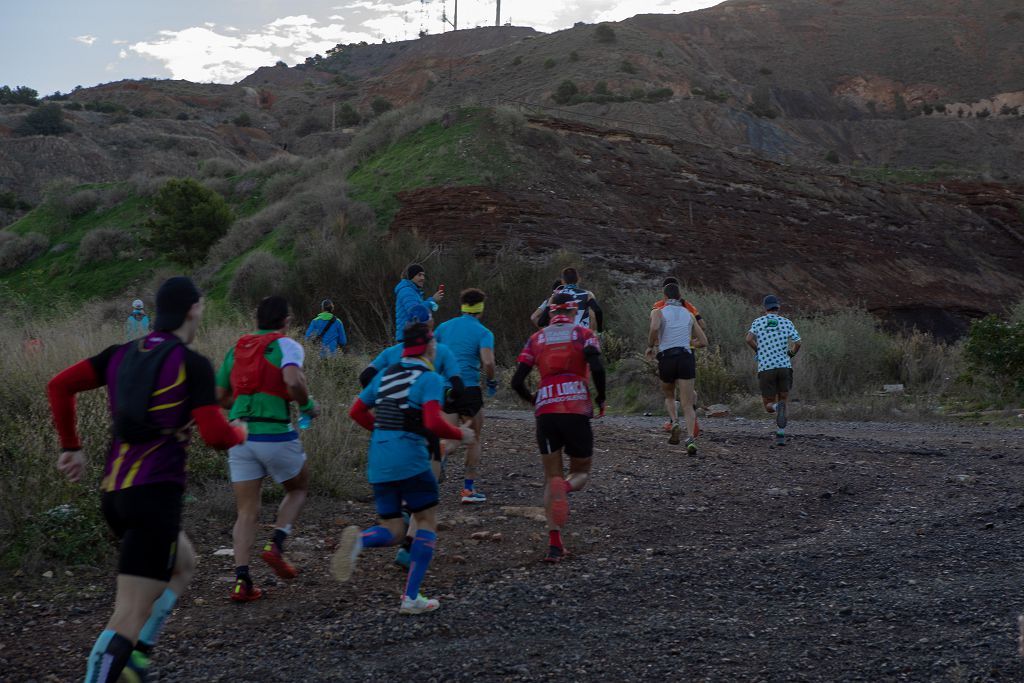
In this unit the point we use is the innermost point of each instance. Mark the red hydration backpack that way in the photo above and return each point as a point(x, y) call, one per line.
point(252, 373)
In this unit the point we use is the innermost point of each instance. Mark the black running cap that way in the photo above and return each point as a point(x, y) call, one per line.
point(413, 270)
point(326, 305)
point(174, 299)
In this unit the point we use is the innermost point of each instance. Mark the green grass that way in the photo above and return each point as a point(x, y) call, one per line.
point(465, 153)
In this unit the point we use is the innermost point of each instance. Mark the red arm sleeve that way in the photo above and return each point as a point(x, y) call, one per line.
point(361, 414)
point(61, 391)
point(216, 431)
point(434, 420)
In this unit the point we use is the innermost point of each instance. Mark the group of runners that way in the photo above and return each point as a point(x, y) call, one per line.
point(422, 398)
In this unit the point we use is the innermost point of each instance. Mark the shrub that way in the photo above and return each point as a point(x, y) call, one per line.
point(104, 244)
point(260, 274)
point(550, 63)
point(17, 250)
point(189, 220)
point(517, 61)
point(73, 106)
point(996, 348)
point(243, 120)
point(20, 95)
point(832, 156)
point(347, 115)
point(627, 67)
point(659, 95)
point(574, 56)
point(309, 125)
point(565, 92)
point(604, 33)
point(601, 88)
point(81, 203)
point(218, 167)
point(182, 116)
point(380, 105)
point(637, 94)
point(45, 120)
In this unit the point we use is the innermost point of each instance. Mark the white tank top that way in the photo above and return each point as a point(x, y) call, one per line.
point(676, 327)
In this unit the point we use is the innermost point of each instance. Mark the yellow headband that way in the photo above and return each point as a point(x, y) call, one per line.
point(473, 308)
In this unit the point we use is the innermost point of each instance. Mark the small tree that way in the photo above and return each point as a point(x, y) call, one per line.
point(347, 115)
point(565, 92)
point(19, 95)
point(604, 33)
point(832, 156)
point(380, 105)
point(601, 88)
point(996, 348)
point(189, 219)
point(46, 120)
point(242, 120)
point(549, 63)
point(627, 67)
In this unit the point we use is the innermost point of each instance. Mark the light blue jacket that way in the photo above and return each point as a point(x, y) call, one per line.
point(407, 295)
point(136, 327)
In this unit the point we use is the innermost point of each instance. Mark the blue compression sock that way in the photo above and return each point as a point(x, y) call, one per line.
point(109, 655)
point(157, 617)
point(377, 537)
point(467, 484)
point(419, 559)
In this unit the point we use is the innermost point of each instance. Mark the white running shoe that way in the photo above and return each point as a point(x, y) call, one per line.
point(418, 606)
point(344, 561)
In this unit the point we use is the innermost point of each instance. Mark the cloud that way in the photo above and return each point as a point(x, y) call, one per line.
point(86, 39)
point(207, 53)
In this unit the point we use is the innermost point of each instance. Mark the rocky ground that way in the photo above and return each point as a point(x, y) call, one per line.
point(859, 552)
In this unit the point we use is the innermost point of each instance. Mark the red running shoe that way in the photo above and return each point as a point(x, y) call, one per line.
point(273, 557)
point(245, 592)
point(555, 554)
point(559, 501)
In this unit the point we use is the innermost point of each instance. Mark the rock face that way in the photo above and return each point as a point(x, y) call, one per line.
point(933, 255)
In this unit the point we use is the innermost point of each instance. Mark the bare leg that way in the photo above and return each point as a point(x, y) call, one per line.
point(184, 565)
point(296, 490)
point(474, 449)
point(669, 391)
point(247, 500)
point(134, 601)
point(686, 400)
point(579, 473)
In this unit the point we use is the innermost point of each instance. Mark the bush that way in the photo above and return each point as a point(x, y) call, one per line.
point(550, 63)
point(832, 156)
point(19, 95)
point(104, 244)
point(380, 105)
point(517, 61)
point(309, 125)
point(996, 348)
point(73, 106)
point(659, 95)
point(260, 275)
point(601, 88)
point(189, 220)
point(604, 33)
point(347, 115)
point(17, 250)
point(637, 94)
point(565, 92)
point(243, 120)
point(627, 67)
point(218, 167)
point(45, 120)
point(574, 56)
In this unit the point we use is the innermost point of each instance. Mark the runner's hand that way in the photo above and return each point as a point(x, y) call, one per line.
point(314, 411)
point(439, 295)
point(240, 424)
point(600, 404)
point(468, 435)
point(72, 465)
point(492, 388)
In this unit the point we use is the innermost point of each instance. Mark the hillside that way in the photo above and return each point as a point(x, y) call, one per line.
point(851, 152)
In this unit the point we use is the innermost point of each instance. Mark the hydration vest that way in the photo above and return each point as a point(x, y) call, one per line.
point(392, 411)
point(558, 354)
point(252, 373)
point(136, 380)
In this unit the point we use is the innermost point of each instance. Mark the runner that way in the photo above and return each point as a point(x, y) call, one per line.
point(562, 352)
point(327, 330)
point(671, 335)
point(770, 337)
point(585, 302)
point(137, 324)
point(409, 293)
point(259, 378)
point(157, 388)
point(541, 311)
point(446, 366)
point(406, 404)
point(688, 305)
point(473, 345)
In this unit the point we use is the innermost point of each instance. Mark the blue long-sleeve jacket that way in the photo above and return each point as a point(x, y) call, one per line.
point(407, 295)
point(333, 337)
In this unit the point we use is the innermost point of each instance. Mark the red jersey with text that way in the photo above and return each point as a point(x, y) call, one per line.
point(559, 354)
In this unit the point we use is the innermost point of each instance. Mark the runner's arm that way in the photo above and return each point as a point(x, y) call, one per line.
point(596, 372)
point(654, 331)
point(361, 414)
point(700, 336)
point(433, 420)
point(487, 361)
point(752, 341)
point(519, 382)
point(598, 313)
point(214, 428)
point(795, 349)
point(367, 375)
point(61, 390)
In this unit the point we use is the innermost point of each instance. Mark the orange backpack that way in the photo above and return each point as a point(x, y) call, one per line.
point(252, 373)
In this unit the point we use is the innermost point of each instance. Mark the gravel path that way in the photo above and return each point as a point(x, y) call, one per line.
point(859, 552)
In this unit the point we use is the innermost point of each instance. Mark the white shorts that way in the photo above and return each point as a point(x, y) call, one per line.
point(281, 460)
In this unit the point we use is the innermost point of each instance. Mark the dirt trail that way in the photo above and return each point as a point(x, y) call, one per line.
point(859, 552)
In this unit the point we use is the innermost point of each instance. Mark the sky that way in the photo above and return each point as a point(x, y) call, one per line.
point(53, 45)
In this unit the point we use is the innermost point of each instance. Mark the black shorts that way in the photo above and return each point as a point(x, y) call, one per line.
point(677, 363)
point(147, 521)
point(775, 381)
point(468, 404)
point(556, 431)
point(415, 494)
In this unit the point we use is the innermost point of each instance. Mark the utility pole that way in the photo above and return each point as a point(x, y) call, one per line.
point(497, 15)
point(445, 20)
point(334, 115)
